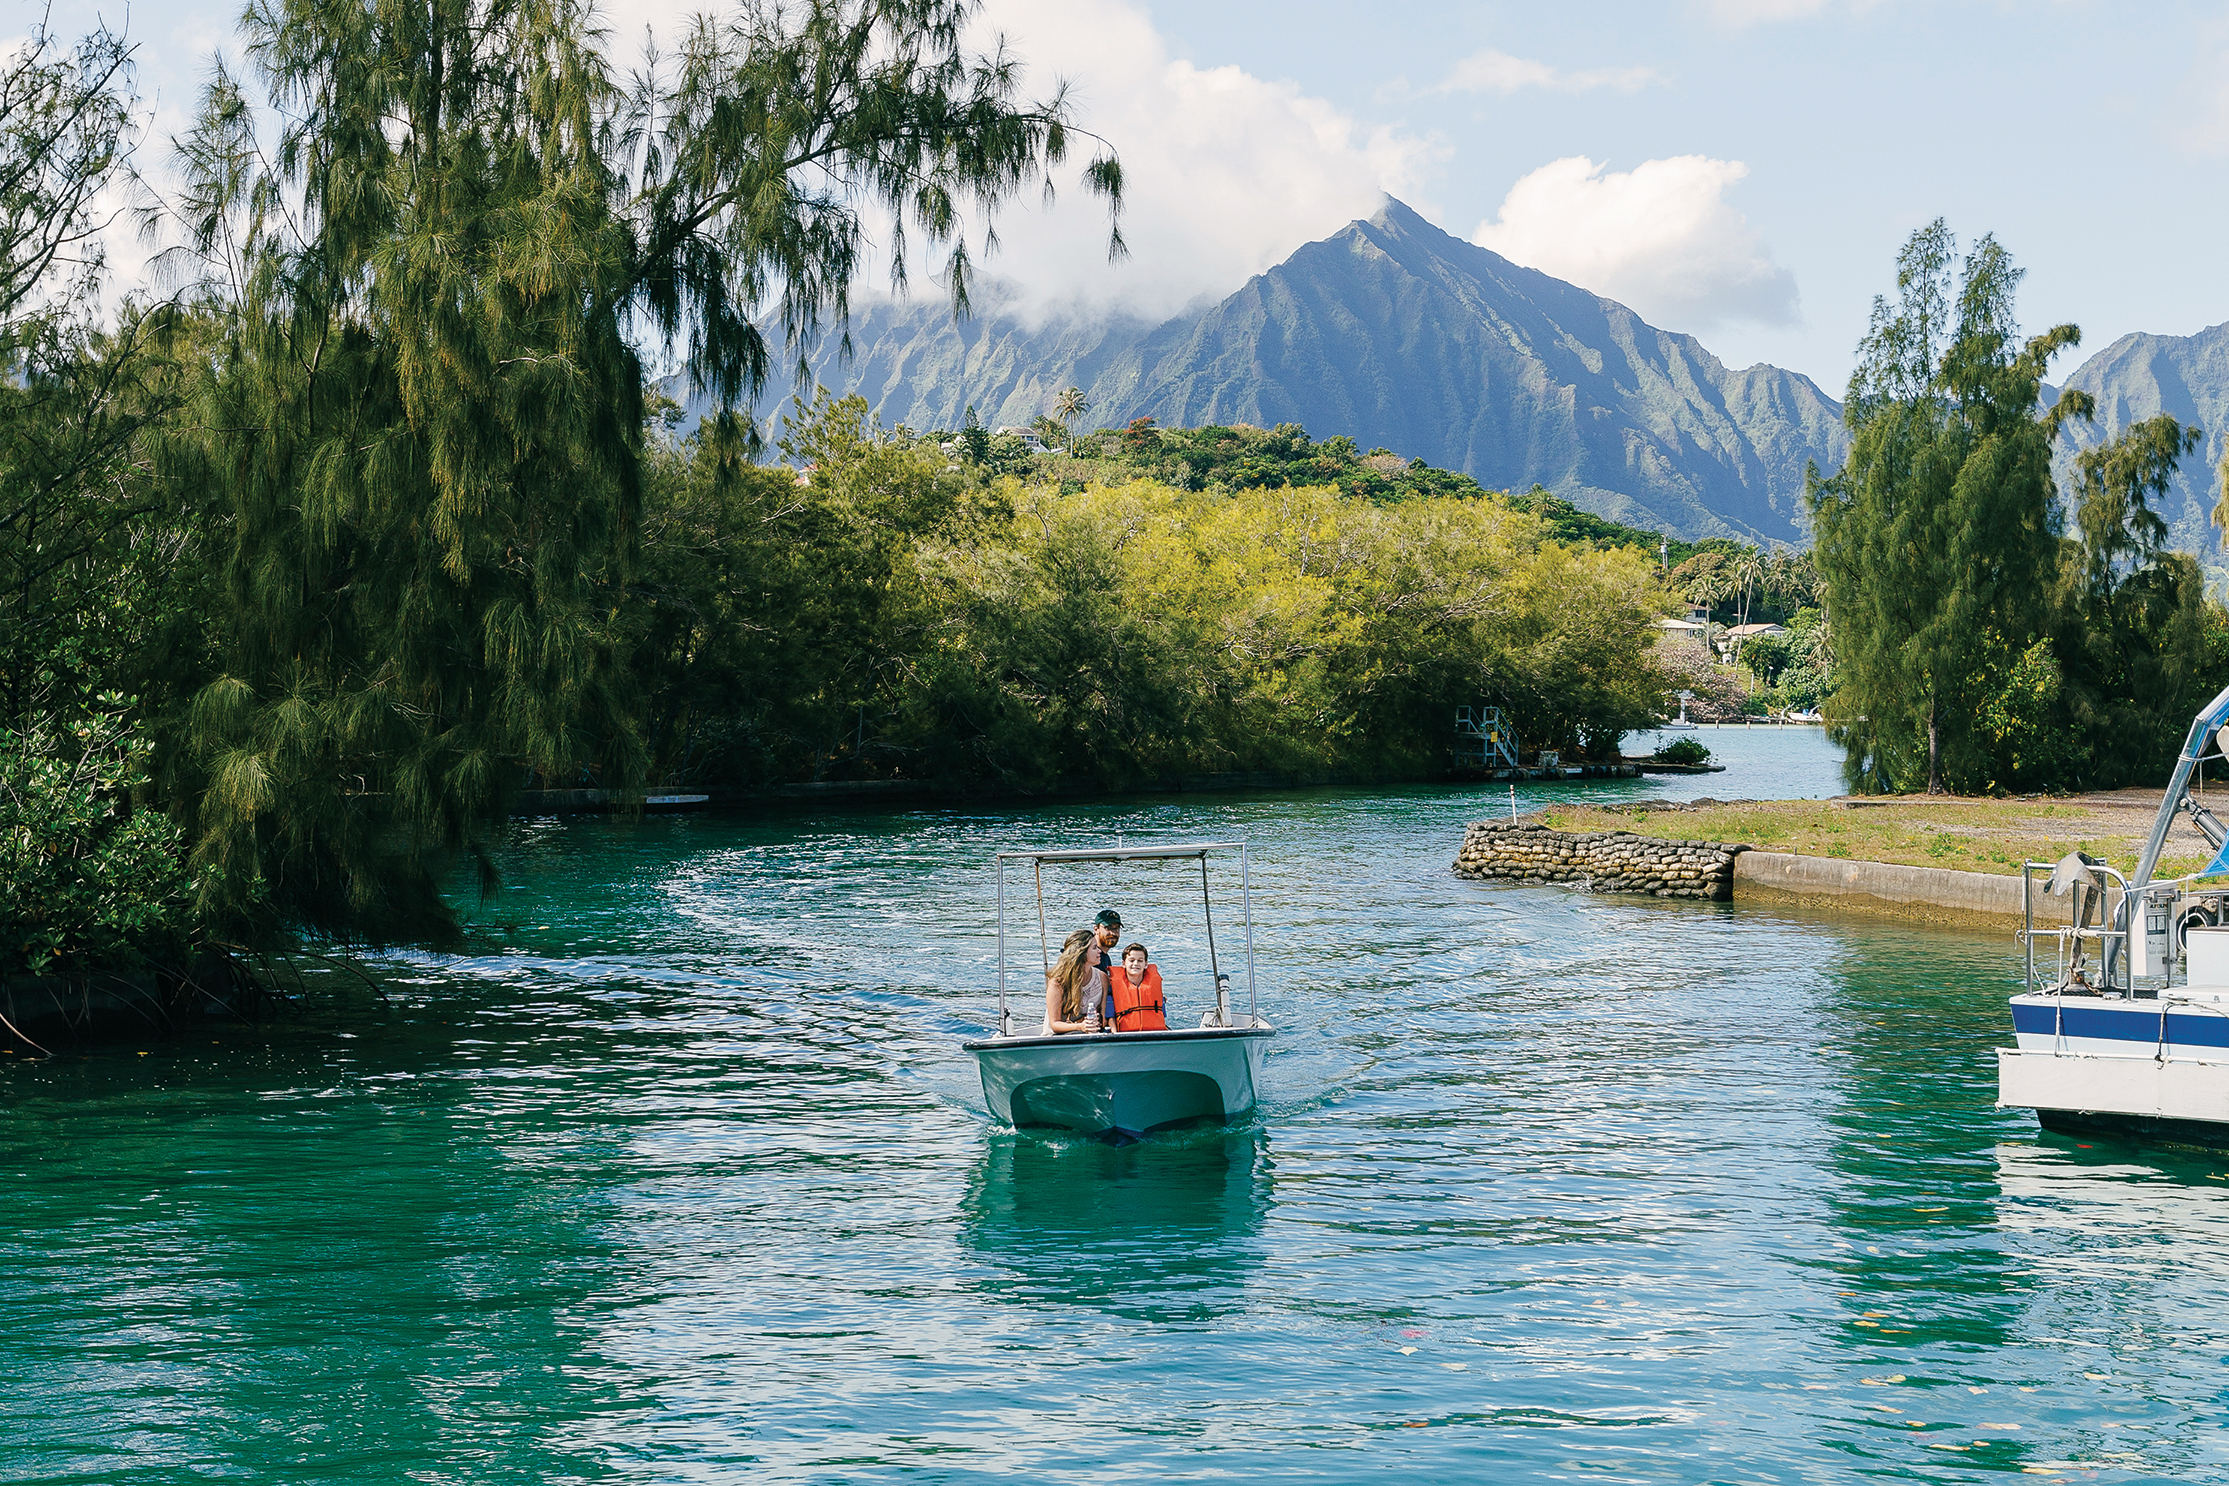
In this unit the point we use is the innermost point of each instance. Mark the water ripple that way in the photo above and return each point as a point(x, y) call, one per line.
point(685, 1180)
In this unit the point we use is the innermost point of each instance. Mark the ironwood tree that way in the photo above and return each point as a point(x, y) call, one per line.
point(1982, 641)
point(2131, 641)
point(84, 546)
point(439, 236)
point(1938, 538)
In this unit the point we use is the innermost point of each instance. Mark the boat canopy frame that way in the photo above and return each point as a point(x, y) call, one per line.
point(1176, 851)
point(2206, 726)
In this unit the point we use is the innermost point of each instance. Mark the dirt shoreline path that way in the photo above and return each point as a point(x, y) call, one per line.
point(1959, 833)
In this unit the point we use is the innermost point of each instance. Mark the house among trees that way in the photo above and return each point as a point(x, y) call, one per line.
point(1731, 640)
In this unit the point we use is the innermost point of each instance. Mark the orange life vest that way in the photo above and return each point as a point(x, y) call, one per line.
point(1137, 1005)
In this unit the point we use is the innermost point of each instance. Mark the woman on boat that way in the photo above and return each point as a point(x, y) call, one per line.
point(1075, 987)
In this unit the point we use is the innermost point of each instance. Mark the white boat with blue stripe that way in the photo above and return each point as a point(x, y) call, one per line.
point(2123, 1027)
point(1124, 1085)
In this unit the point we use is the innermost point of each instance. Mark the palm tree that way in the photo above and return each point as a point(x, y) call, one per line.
point(1704, 590)
point(1708, 587)
point(1747, 574)
point(1071, 404)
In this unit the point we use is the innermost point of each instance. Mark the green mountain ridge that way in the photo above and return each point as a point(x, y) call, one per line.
point(2141, 376)
point(1398, 335)
point(1401, 336)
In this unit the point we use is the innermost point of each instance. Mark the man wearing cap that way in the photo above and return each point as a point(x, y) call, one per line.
point(1106, 934)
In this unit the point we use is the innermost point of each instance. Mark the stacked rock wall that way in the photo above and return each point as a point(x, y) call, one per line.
point(1605, 861)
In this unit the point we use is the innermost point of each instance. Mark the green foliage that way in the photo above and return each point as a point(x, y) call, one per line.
point(1740, 584)
point(1247, 458)
point(89, 549)
point(87, 883)
point(98, 577)
point(1797, 666)
point(421, 425)
point(1070, 405)
point(1685, 751)
point(896, 618)
point(1576, 528)
point(1242, 457)
point(65, 120)
point(1982, 645)
point(775, 619)
point(2023, 718)
point(1938, 539)
point(2132, 624)
point(975, 439)
point(1766, 657)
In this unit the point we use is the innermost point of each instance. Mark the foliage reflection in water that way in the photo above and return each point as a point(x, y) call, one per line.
point(685, 1180)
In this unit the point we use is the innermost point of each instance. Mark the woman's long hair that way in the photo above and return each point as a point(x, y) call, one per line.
point(1070, 972)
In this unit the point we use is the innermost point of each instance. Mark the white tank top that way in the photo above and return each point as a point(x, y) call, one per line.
point(1094, 999)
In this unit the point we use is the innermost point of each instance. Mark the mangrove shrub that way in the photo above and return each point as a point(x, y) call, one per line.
point(891, 615)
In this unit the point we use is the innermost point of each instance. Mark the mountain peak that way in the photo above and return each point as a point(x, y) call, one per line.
point(1401, 335)
point(1398, 216)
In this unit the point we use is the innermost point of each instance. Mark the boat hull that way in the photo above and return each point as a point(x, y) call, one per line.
point(2139, 1068)
point(2194, 1027)
point(1127, 1083)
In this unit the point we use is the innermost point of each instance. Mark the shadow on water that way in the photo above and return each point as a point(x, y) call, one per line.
point(310, 1264)
point(2006, 1298)
point(1153, 1229)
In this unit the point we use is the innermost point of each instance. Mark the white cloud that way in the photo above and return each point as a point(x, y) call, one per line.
point(1660, 238)
point(1227, 173)
point(1490, 71)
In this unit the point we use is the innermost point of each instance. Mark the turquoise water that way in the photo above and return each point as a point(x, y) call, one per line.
point(1762, 763)
point(684, 1179)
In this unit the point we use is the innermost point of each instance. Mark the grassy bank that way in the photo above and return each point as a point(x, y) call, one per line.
point(1968, 835)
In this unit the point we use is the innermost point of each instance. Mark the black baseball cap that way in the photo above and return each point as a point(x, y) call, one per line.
point(1110, 918)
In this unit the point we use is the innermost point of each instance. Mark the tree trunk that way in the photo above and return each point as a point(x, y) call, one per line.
point(1934, 753)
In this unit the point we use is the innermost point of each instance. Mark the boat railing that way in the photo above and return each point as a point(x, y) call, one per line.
point(2069, 939)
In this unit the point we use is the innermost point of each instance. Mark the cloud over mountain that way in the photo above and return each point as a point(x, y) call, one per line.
point(1228, 172)
point(1661, 237)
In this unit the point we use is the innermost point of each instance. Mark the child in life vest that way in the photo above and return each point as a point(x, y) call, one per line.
point(1134, 987)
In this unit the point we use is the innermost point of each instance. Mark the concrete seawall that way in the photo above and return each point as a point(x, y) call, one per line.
point(1929, 893)
point(1622, 862)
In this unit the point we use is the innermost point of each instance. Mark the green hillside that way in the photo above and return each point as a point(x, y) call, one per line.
point(1404, 338)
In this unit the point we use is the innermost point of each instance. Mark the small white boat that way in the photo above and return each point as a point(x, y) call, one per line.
point(1680, 723)
point(1125, 1084)
point(674, 801)
point(2127, 1029)
point(1813, 716)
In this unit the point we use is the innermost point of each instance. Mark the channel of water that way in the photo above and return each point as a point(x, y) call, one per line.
point(684, 1179)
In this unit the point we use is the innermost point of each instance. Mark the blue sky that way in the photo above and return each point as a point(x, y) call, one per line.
point(2093, 139)
point(1740, 169)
